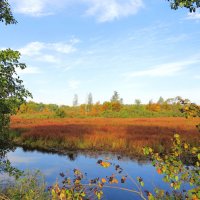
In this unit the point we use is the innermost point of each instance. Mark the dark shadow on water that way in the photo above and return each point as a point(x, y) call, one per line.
point(73, 155)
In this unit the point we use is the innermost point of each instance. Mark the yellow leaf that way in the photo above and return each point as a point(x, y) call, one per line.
point(103, 180)
point(62, 195)
point(115, 180)
point(105, 164)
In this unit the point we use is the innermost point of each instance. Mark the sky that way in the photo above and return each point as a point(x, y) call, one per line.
point(140, 48)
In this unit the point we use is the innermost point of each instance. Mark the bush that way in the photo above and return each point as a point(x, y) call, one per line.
point(177, 170)
point(60, 113)
point(30, 186)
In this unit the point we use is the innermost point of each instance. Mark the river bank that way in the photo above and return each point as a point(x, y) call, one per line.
point(121, 136)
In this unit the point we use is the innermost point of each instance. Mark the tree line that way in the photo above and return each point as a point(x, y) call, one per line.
point(115, 107)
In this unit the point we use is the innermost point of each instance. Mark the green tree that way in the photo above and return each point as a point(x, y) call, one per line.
point(116, 98)
point(160, 101)
point(6, 15)
point(192, 5)
point(12, 90)
point(137, 102)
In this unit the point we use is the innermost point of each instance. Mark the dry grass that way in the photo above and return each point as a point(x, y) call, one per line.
point(120, 135)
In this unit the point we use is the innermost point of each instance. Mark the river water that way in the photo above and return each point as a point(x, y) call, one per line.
point(51, 165)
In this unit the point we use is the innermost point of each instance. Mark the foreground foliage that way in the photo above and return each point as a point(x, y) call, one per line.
point(12, 95)
point(6, 15)
point(190, 110)
point(12, 90)
point(176, 171)
point(30, 186)
point(191, 5)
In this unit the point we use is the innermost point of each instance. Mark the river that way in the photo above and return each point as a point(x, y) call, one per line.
point(51, 165)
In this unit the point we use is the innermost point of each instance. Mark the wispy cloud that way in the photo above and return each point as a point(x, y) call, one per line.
point(163, 70)
point(32, 49)
point(47, 58)
point(36, 48)
point(64, 47)
point(109, 10)
point(34, 8)
point(103, 10)
point(15, 159)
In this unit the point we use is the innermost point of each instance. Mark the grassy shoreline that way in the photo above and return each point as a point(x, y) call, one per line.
point(125, 136)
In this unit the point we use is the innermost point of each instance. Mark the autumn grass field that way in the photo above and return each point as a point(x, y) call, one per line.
point(102, 134)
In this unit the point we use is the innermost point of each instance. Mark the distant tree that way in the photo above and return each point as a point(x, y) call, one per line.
point(150, 101)
point(106, 106)
point(154, 107)
point(174, 101)
point(116, 98)
point(160, 101)
point(82, 109)
point(89, 99)
point(96, 109)
point(137, 102)
point(6, 15)
point(89, 103)
point(60, 113)
point(75, 100)
point(52, 107)
point(170, 101)
point(116, 106)
point(192, 5)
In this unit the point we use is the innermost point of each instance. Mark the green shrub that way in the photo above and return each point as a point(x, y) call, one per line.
point(60, 113)
point(30, 186)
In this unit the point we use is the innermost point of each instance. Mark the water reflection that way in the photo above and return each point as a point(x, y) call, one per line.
point(51, 164)
point(73, 155)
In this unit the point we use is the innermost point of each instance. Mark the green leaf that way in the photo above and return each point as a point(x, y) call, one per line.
point(142, 183)
point(198, 156)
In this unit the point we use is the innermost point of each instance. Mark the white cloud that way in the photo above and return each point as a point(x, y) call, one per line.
point(108, 10)
point(73, 84)
point(38, 8)
point(15, 159)
point(32, 49)
point(38, 48)
point(103, 10)
point(162, 70)
point(48, 58)
point(31, 7)
point(64, 47)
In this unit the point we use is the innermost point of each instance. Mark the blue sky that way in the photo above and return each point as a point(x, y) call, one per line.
point(140, 48)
